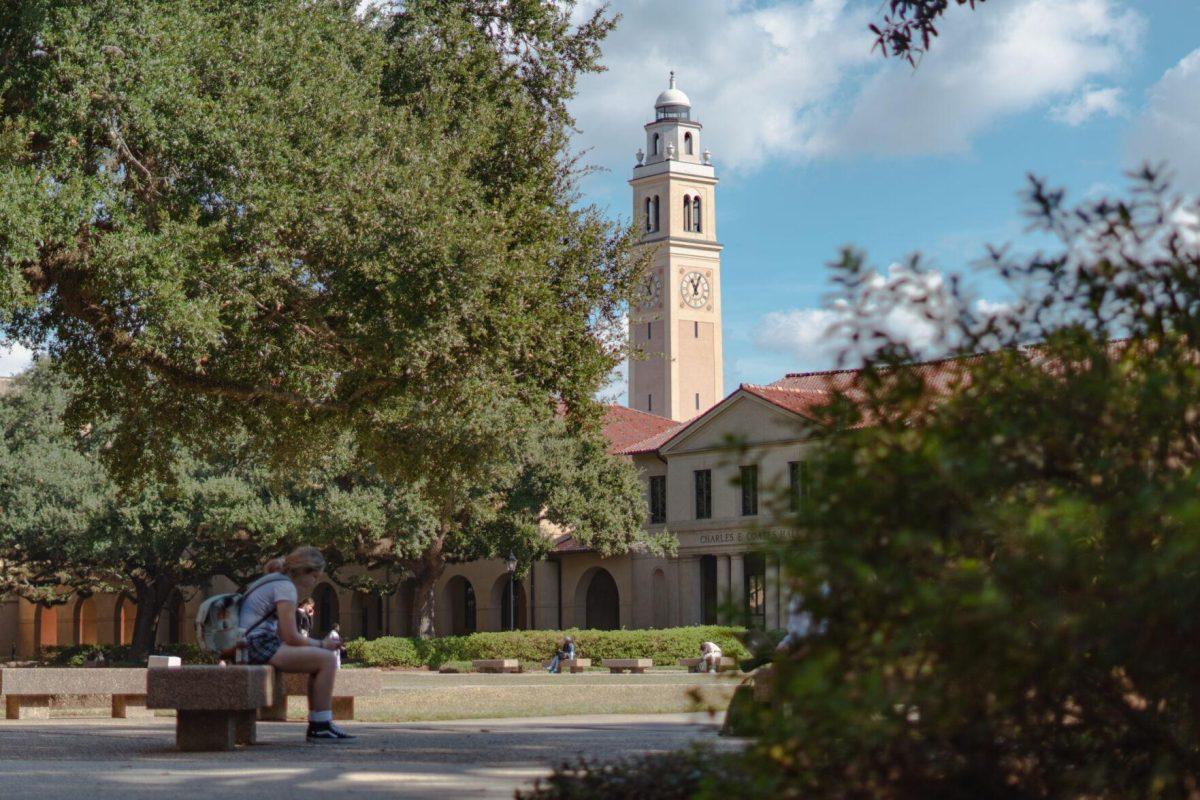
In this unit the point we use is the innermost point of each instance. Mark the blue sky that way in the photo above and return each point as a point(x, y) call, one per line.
point(820, 144)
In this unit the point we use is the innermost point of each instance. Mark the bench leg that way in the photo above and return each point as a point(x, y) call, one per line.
point(277, 711)
point(245, 727)
point(125, 706)
point(201, 731)
point(343, 708)
point(27, 707)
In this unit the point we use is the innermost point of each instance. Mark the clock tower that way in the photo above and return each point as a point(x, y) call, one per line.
point(675, 330)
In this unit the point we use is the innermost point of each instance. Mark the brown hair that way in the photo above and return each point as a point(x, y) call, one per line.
point(302, 560)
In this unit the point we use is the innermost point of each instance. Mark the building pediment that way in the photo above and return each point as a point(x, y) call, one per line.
point(744, 417)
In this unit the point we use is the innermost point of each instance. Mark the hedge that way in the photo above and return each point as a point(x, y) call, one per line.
point(118, 655)
point(665, 646)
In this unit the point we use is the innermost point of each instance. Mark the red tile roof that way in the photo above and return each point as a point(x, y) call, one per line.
point(626, 427)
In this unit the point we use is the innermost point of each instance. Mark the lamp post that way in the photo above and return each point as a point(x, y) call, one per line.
point(512, 608)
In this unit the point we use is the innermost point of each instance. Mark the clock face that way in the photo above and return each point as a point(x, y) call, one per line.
point(695, 289)
point(651, 291)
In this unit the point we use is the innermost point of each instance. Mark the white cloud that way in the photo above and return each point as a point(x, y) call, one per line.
point(1090, 103)
point(816, 338)
point(1169, 129)
point(13, 359)
point(798, 79)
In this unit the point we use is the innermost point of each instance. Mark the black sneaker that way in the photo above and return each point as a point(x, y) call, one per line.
point(326, 732)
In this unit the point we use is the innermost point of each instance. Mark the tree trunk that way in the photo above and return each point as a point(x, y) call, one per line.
point(427, 572)
point(150, 599)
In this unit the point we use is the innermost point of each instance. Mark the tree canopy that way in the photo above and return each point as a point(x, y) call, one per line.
point(289, 218)
point(1010, 539)
point(66, 526)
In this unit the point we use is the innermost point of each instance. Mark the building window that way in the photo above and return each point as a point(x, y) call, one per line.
point(650, 403)
point(696, 329)
point(687, 144)
point(755, 566)
point(655, 204)
point(749, 481)
point(697, 401)
point(654, 147)
point(687, 213)
point(696, 215)
point(649, 330)
point(797, 484)
point(703, 493)
point(658, 499)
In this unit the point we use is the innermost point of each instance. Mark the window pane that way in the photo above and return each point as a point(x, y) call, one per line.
point(749, 491)
point(703, 493)
point(658, 499)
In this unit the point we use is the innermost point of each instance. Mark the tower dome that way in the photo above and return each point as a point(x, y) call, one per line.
point(672, 103)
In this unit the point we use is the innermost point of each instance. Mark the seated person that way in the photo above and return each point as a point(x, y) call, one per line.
point(710, 657)
point(565, 652)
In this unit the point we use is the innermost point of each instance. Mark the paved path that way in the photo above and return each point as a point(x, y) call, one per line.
point(100, 759)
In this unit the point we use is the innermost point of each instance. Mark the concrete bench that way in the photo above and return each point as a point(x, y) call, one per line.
point(693, 664)
point(216, 707)
point(496, 665)
point(349, 684)
point(633, 665)
point(28, 691)
point(572, 664)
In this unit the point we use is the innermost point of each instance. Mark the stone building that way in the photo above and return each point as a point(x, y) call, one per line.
point(718, 502)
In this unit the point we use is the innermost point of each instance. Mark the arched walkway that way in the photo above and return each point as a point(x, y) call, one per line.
point(327, 609)
point(124, 616)
point(83, 621)
point(501, 600)
point(45, 623)
point(598, 596)
point(458, 598)
point(368, 615)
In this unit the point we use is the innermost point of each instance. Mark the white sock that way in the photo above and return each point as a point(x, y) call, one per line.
point(320, 716)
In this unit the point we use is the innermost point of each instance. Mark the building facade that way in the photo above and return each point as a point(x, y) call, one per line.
point(721, 503)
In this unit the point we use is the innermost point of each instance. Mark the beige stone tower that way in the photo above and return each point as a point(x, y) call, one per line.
point(678, 325)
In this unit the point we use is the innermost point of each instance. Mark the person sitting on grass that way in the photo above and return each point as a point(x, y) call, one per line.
point(565, 652)
point(268, 614)
point(710, 657)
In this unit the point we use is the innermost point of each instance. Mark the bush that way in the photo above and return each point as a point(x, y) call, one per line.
point(662, 776)
point(119, 655)
point(664, 646)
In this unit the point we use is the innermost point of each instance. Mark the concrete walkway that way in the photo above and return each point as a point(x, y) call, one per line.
point(100, 759)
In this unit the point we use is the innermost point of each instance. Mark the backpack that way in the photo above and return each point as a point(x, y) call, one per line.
point(218, 628)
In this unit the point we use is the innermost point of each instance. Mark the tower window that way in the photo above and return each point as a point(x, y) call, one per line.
point(687, 213)
point(649, 218)
point(696, 215)
point(696, 329)
point(687, 144)
point(655, 204)
point(649, 330)
point(650, 403)
point(697, 401)
point(654, 146)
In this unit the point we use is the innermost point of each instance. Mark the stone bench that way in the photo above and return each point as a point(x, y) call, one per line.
point(693, 664)
point(496, 665)
point(634, 665)
point(349, 684)
point(572, 664)
point(216, 708)
point(28, 691)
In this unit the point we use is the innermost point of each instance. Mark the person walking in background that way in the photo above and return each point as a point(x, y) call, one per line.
point(334, 637)
point(304, 616)
point(268, 615)
point(710, 657)
point(565, 652)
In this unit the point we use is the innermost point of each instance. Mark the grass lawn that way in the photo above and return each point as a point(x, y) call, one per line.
point(414, 696)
